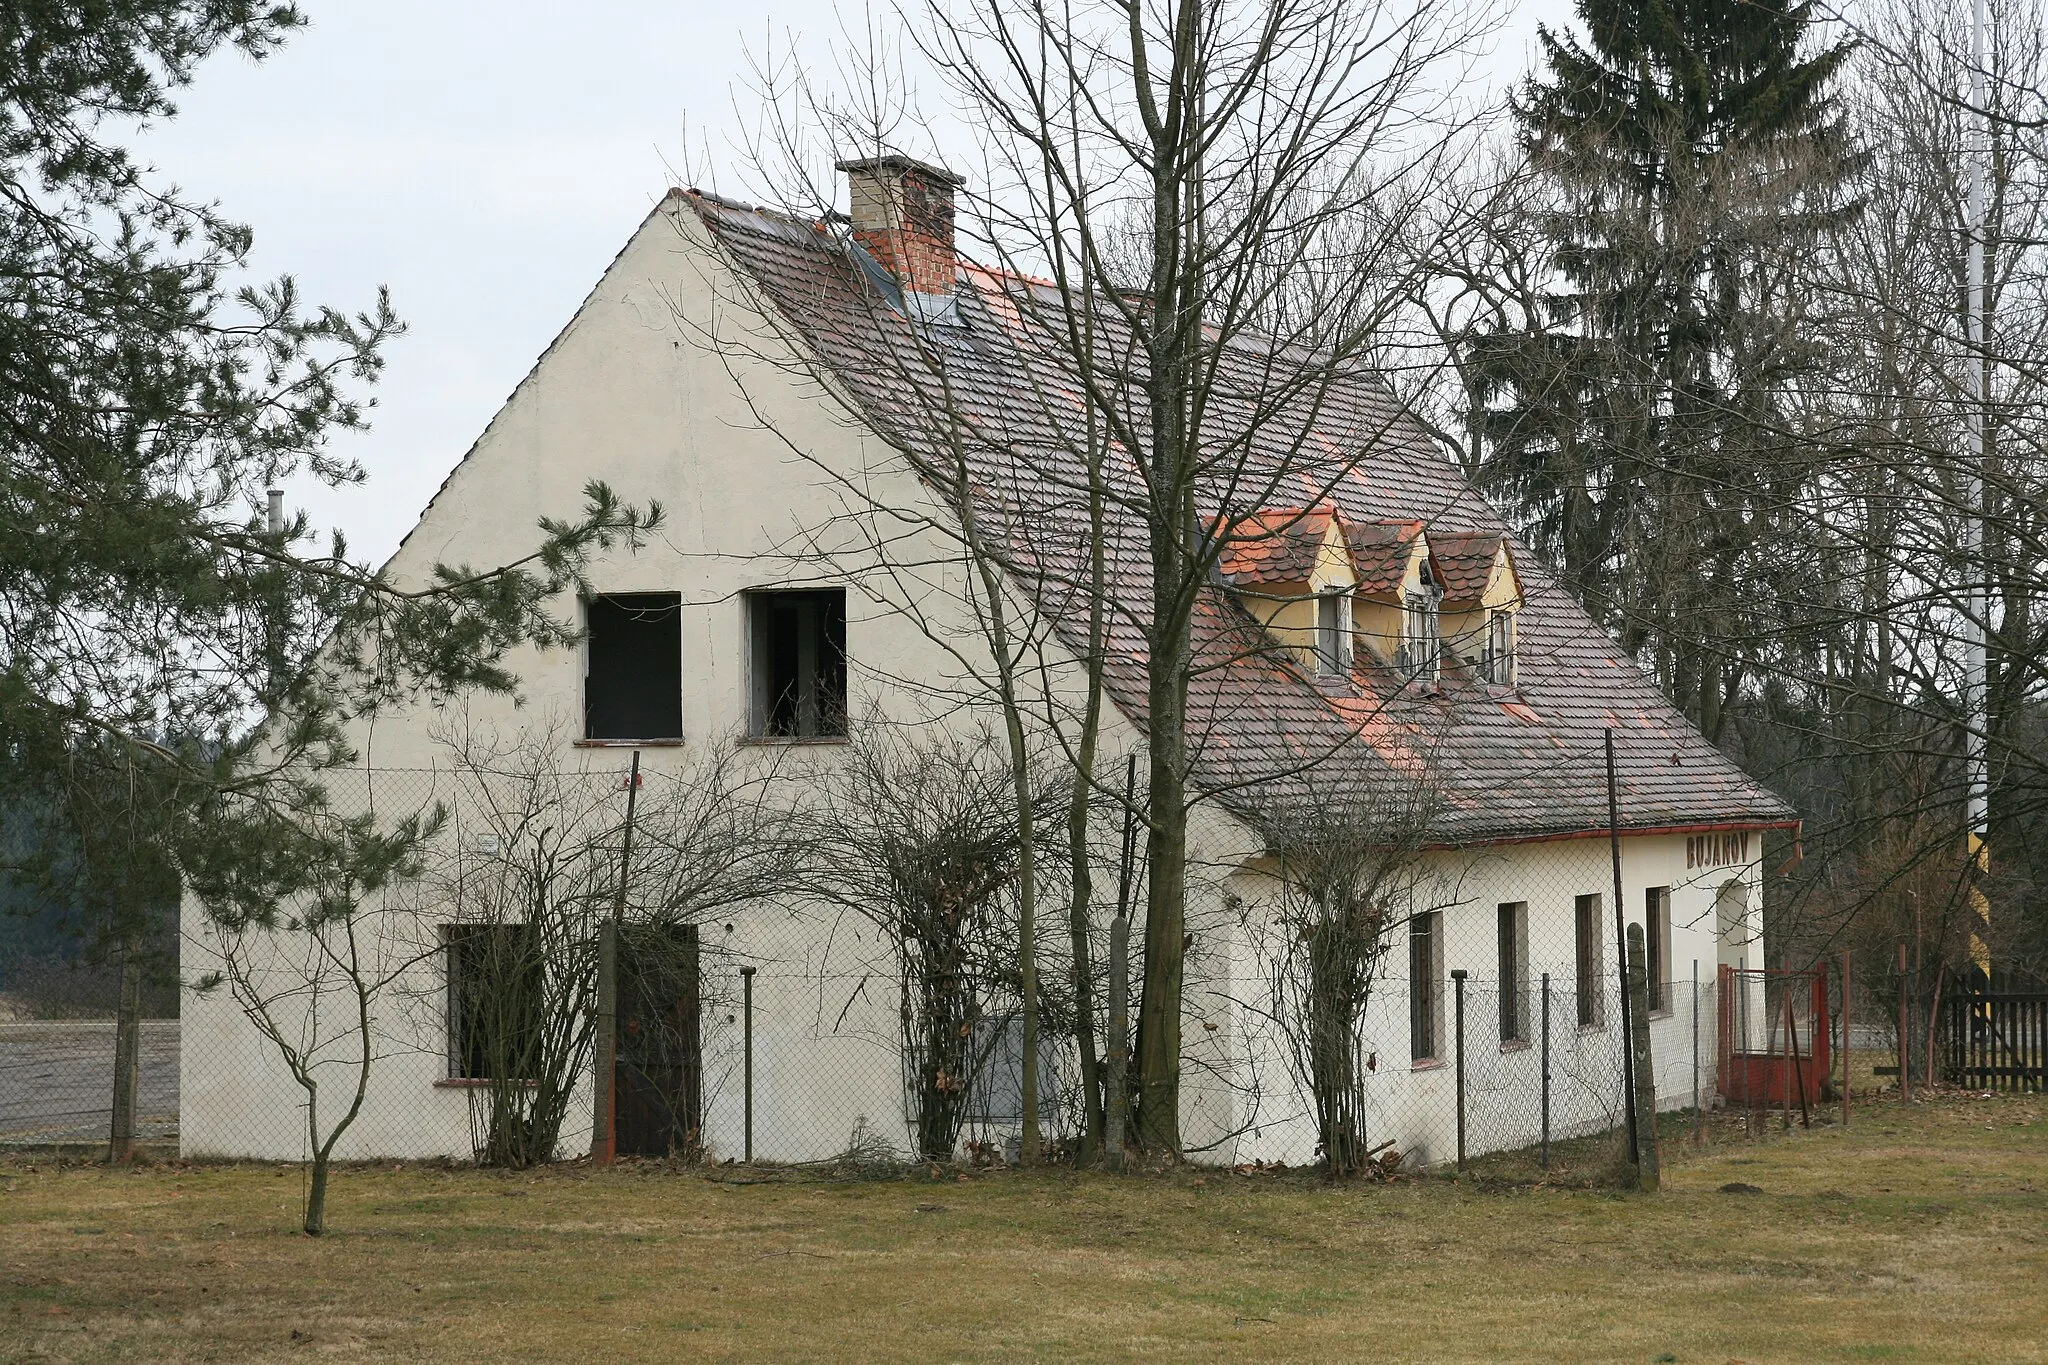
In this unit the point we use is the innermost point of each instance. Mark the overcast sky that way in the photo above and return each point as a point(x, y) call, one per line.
point(485, 161)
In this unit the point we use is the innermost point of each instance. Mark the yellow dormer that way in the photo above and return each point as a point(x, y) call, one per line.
point(1397, 596)
point(1292, 570)
point(1482, 597)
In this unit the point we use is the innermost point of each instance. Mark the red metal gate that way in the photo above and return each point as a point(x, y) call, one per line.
point(1773, 1038)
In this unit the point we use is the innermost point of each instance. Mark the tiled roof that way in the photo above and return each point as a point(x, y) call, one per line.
point(1276, 546)
point(1380, 551)
point(1464, 562)
point(1498, 764)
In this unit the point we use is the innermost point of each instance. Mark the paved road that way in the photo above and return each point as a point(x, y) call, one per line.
point(57, 1079)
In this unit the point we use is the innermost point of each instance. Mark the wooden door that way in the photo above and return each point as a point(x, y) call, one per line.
point(660, 1085)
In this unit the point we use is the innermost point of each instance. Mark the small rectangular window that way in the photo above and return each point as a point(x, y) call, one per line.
point(495, 981)
point(1333, 635)
point(1657, 945)
point(1425, 988)
point(1499, 663)
point(1423, 649)
point(633, 679)
point(1514, 971)
point(798, 641)
point(1591, 977)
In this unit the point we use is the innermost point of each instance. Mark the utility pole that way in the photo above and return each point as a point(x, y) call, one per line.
point(1977, 610)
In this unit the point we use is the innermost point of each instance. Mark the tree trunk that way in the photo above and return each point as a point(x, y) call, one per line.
point(316, 1195)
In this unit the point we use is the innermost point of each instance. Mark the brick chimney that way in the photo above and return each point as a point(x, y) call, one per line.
point(903, 215)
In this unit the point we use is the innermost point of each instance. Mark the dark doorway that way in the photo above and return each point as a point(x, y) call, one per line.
point(660, 1089)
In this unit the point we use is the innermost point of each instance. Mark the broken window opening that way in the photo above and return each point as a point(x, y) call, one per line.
point(798, 641)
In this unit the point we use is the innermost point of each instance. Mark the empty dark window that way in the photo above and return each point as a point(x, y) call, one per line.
point(1425, 991)
point(799, 662)
point(633, 686)
point(495, 982)
point(1657, 945)
point(1514, 971)
point(1586, 921)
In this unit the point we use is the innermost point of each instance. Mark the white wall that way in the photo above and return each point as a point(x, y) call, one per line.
point(1415, 1107)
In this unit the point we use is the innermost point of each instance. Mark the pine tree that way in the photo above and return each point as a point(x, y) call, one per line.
point(1688, 150)
point(175, 671)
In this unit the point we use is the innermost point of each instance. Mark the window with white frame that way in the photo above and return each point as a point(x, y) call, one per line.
point(1422, 650)
point(1513, 933)
point(1498, 663)
point(1333, 634)
point(1425, 985)
point(1591, 978)
point(1657, 946)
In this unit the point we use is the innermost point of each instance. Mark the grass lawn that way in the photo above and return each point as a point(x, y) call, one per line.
point(1919, 1234)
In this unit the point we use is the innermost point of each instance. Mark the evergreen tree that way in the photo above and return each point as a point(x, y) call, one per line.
point(1689, 151)
point(151, 617)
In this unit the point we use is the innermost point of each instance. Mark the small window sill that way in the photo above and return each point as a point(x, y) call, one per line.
point(1427, 1064)
point(1592, 1028)
point(477, 1083)
point(1514, 1045)
point(1663, 1012)
point(627, 743)
point(791, 741)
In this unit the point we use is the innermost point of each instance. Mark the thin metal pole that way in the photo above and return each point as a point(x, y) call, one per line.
point(1698, 1115)
point(1845, 1038)
point(1905, 1037)
point(1116, 1103)
point(1628, 1070)
point(747, 1029)
point(1458, 987)
point(604, 1078)
point(1546, 1071)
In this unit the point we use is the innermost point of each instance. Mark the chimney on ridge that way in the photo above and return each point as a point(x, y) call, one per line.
point(902, 213)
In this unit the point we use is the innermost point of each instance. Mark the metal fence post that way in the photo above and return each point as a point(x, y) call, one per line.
point(1116, 1102)
point(1458, 987)
point(1546, 1071)
point(127, 1055)
point(1699, 1116)
point(1845, 1038)
point(747, 1032)
point(1905, 1035)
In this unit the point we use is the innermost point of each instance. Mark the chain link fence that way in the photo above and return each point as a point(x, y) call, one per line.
point(757, 1019)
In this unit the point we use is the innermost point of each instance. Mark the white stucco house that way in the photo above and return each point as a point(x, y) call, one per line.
point(763, 376)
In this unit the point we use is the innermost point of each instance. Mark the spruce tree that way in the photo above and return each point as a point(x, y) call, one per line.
point(1688, 152)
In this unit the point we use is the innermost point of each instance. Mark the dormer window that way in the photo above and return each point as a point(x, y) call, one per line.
point(1497, 664)
point(1333, 634)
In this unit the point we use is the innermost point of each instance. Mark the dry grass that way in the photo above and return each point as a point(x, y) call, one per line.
point(1922, 1234)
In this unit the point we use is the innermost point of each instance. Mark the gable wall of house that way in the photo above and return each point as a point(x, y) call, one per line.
point(667, 386)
